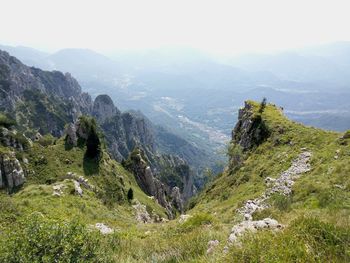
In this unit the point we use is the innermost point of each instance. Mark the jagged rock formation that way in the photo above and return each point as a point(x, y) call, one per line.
point(126, 131)
point(103, 108)
point(39, 99)
point(147, 182)
point(45, 102)
point(123, 131)
point(13, 139)
point(11, 173)
point(250, 129)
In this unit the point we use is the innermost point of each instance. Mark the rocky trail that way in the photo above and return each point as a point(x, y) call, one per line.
point(282, 185)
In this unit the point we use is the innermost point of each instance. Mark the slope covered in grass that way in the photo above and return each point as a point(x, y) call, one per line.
point(317, 213)
point(315, 216)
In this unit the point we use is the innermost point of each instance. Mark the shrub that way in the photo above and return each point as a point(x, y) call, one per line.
point(262, 105)
point(92, 140)
point(46, 140)
point(38, 239)
point(346, 135)
point(6, 121)
point(260, 129)
point(130, 194)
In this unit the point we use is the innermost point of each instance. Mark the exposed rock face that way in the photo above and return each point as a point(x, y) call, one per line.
point(47, 101)
point(10, 138)
point(250, 129)
point(142, 215)
point(177, 201)
point(126, 131)
point(71, 134)
point(11, 172)
point(123, 131)
point(103, 108)
point(175, 172)
point(57, 97)
point(147, 182)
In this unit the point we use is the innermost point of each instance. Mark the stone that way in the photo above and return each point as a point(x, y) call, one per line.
point(11, 172)
point(211, 245)
point(177, 200)
point(248, 217)
point(71, 134)
point(142, 215)
point(103, 108)
point(184, 218)
point(58, 189)
point(104, 229)
point(77, 188)
point(282, 185)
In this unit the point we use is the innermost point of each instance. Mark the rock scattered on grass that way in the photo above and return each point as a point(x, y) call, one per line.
point(104, 229)
point(281, 185)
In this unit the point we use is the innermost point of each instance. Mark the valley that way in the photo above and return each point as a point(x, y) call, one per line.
point(168, 175)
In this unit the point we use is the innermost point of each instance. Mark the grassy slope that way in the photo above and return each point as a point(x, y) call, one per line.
point(49, 165)
point(315, 194)
point(304, 239)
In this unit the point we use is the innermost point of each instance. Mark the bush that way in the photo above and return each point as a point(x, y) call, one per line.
point(346, 135)
point(37, 239)
point(46, 140)
point(6, 121)
point(262, 105)
point(130, 194)
point(93, 143)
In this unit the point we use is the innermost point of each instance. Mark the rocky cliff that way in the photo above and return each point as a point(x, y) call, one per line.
point(168, 197)
point(127, 131)
point(40, 100)
point(45, 102)
point(250, 130)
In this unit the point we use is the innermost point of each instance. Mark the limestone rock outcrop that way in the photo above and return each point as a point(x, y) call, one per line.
point(250, 129)
point(58, 95)
point(12, 175)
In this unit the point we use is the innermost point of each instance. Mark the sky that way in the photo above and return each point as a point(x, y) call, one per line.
point(217, 26)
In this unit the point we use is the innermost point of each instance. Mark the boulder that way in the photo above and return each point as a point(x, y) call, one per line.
point(104, 229)
point(11, 172)
point(142, 215)
point(212, 244)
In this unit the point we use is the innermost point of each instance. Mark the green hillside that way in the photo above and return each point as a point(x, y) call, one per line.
point(313, 216)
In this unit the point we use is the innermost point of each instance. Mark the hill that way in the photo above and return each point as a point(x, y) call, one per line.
point(284, 197)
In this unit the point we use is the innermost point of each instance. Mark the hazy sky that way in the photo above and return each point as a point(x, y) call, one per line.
point(216, 26)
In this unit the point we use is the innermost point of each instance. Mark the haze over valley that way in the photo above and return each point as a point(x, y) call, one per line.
point(174, 131)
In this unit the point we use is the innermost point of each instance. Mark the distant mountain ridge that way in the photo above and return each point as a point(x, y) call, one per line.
point(44, 102)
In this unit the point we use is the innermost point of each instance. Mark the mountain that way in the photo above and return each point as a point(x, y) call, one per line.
point(283, 197)
point(40, 100)
point(29, 56)
point(44, 102)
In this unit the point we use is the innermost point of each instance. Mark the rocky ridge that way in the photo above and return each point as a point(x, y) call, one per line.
point(169, 198)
